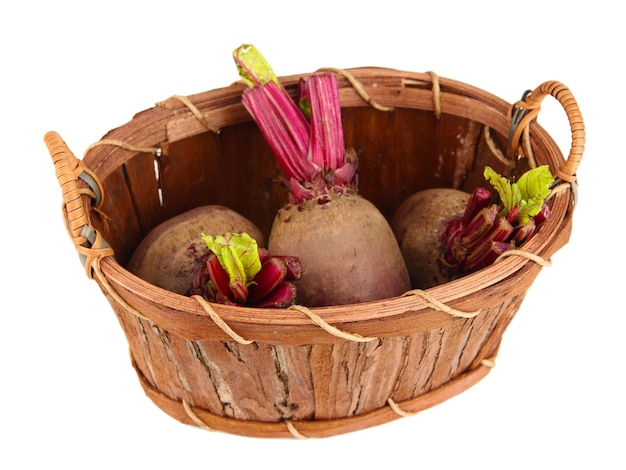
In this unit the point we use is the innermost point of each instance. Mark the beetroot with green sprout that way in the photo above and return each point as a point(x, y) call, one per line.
point(347, 248)
point(236, 271)
point(445, 233)
point(493, 224)
point(166, 256)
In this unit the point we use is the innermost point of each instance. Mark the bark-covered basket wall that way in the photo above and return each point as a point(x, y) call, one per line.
point(316, 372)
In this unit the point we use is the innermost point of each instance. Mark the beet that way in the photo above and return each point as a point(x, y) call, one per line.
point(166, 256)
point(347, 248)
point(418, 224)
point(445, 234)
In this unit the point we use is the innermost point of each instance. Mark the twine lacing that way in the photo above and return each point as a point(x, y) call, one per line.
point(436, 93)
point(195, 418)
point(93, 254)
point(436, 89)
point(112, 292)
point(203, 425)
point(123, 145)
point(218, 320)
point(559, 188)
point(205, 305)
point(495, 150)
point(437, 305)
point(525, 254)
point(490, 363)
point(358, 87)
point(294, 432)
point(528, 149)
point(399, 411)
point(192, 107)
point(92, 247)
point(329, 328)
point(155, 150)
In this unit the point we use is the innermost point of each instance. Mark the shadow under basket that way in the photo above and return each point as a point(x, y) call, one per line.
point(312, 372)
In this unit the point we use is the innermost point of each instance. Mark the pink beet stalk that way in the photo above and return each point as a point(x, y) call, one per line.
point(492, 224)
point(348, 251)
point(284, 127)
point(309, 146)
point(326, 145)
point(237, 272)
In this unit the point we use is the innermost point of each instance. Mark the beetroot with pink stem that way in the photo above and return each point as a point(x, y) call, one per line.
point(493, 224)
point(236, 271)
point(446, 233)
point(348, 252)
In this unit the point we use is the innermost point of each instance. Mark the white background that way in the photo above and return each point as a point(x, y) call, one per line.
point(69, 397)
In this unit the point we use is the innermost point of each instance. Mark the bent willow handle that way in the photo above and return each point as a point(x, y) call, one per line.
point(69, 172)
point(528, 108)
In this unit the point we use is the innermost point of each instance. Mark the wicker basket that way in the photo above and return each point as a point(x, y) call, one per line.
point(315, 372)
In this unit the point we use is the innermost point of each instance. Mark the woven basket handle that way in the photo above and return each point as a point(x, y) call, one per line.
point(69, 172)
point(528, 108)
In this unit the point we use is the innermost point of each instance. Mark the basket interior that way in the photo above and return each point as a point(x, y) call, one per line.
point(400, 152)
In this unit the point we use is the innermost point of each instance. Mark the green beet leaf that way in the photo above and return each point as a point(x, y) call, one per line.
point(528, 193)
point(253, 69)
point(237, 253)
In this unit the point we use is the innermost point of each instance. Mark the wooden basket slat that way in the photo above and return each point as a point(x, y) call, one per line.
point(333, 383)
point(142, 182)
point(119, 220)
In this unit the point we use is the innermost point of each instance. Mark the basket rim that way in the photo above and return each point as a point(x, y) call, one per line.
point(166, 124)
point(366, 319)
